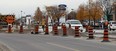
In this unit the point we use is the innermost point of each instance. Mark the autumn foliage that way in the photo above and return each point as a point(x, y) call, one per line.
point(38, 15)
point(92, 11)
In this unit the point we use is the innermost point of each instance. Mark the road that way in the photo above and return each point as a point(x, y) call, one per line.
point(28, 42)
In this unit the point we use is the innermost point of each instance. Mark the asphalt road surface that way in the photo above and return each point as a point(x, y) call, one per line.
point(28, 42)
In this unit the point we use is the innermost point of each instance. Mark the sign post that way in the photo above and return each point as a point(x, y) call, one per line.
point(10, 20)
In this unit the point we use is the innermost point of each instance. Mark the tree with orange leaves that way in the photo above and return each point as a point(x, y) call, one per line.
point(92, 11)
point(81, 13)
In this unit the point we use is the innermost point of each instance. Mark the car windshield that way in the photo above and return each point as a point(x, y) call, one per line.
point(113, 22)
point(75, 22)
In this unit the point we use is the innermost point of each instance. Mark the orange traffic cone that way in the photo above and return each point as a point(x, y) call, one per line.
point(36, 29)
point(55, 30)
point(21, 29)
point(9, 29)
point(105, 37)
point(77, 34)
point(91, 36)
point(64, 31)
point(46, 30)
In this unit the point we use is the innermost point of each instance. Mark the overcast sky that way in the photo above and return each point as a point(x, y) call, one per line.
point(29, 6)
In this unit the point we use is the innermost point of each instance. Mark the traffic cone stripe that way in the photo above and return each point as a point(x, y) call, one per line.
point(55, 30)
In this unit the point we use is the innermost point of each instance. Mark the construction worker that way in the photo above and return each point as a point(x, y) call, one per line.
point(43, 24)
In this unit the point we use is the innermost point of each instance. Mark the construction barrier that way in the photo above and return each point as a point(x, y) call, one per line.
point(21, 29)
point(90, 36)
point(64, 30)
point(55, 29)
point(36, 29)
point(9, 29)
point(105, 37)
point(77, 33)
point(46, 30)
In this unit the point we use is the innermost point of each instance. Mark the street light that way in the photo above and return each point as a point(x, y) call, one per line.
point(21, 16)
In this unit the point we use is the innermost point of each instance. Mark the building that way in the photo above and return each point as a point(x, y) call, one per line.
point(26, 20)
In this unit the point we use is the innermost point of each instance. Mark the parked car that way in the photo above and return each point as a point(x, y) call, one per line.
point(112, 25)
point(74, 23)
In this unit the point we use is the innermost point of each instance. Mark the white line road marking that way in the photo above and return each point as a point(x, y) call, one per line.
point(62, 46)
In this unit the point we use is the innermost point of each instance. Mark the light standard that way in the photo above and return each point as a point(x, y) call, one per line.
point(21, 25)
point(21, 17)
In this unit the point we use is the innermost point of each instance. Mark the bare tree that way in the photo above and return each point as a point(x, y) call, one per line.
point(106, 5)
point(72, 15)
point(54, 13)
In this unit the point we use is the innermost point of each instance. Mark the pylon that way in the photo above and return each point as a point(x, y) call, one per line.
point(46, 30)
point(36, 29)
point(55, 29)
point(9, 28)
point(90, 36)
point(105, 37)
point(64, 31)
point(21, 29)
point(77, 34)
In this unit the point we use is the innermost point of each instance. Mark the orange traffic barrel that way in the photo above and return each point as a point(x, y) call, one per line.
point(21, 29)
point(9, 29)
point(64, 30)
point(36, 29)
point(77, 34)
point(55, 28)
point(105, 37)
point(46, 30)
point(90, 31)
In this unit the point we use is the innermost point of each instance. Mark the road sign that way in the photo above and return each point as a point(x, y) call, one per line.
point(9, 19)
